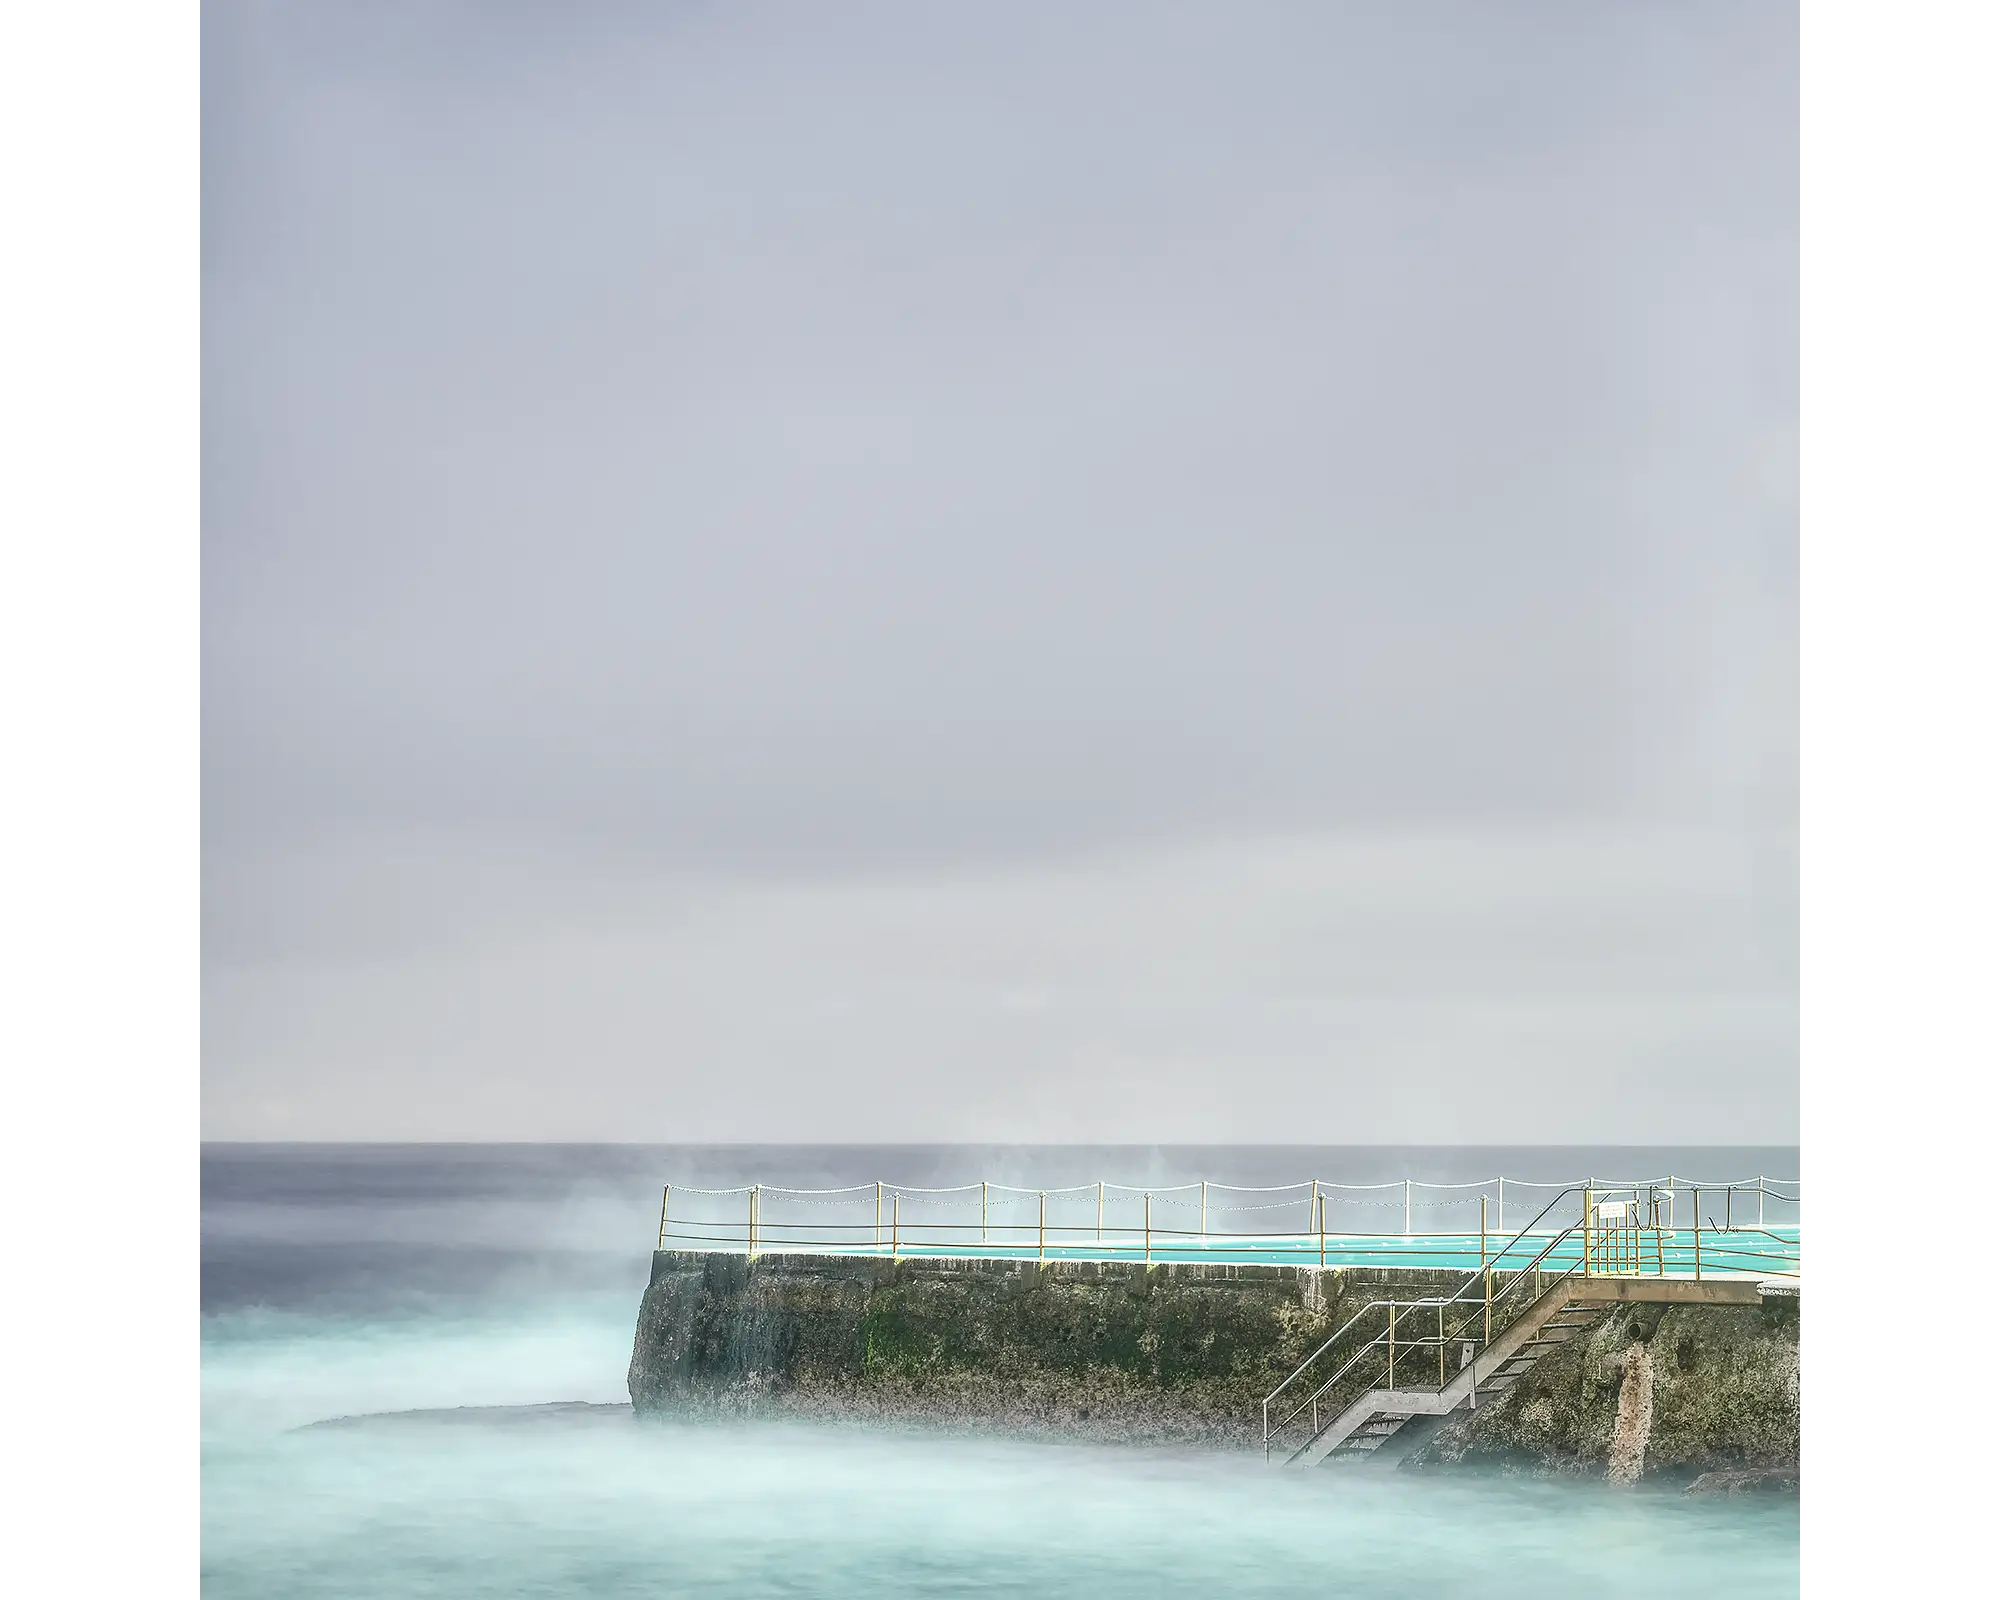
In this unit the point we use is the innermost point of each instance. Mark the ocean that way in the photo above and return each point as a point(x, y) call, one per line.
point(413, 1383)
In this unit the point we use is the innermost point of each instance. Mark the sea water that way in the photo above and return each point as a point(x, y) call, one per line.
point(413, 1376)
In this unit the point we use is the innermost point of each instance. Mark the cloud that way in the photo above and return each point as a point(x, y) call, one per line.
point(1419, 986)
point(684, 443)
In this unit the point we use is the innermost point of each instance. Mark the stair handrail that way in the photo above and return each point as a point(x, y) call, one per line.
point(1430, 1302)
point(1477, 1304)
point(1334, 1338)
point(1499, 1254)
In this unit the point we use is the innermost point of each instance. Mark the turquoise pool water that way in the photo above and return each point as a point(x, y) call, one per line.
point(1769, 1252)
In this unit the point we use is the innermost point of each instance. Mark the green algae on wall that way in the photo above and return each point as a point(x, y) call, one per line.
point(1172, 1353)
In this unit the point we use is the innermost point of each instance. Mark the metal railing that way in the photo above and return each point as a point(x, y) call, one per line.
point(1625, 1233)
point(1361, 1337)
point(1314, 1222)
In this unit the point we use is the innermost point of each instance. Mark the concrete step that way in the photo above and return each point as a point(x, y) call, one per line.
point(1369, 1437)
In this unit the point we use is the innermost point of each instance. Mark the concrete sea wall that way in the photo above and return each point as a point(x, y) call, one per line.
point(1179, 1354)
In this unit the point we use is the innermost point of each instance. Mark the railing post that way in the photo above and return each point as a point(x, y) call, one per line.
point(1729, 1210)
point(1042, 1225)
point(666, 1194)
point(1483, 1267)
point(1319, 1205)
point(1100, 1211)
point(1392, 1344)
point(1588, 1196)
point(1500, 1217)
point(1204, 1208)
point(896, 1224)
point(753, 1219)
point(1760, 1202)
point(982, 1210)
point(1406, 1208)
point(1149, 1227)
point(1440, 1344)
point(878, 1213)
point(1697, 1236)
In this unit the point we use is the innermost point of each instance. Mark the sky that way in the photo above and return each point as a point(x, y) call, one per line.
point(1130, 573)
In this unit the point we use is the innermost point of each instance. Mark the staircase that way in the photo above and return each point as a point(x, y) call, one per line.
point(1568, 1283)
point(1368, 1427)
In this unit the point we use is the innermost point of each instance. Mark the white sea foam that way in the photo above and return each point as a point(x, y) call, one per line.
point(609, 1505)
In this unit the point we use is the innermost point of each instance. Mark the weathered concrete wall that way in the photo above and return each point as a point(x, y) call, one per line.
point(1171, 1354)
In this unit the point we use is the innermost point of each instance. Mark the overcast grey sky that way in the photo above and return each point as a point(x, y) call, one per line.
point(1010, 571)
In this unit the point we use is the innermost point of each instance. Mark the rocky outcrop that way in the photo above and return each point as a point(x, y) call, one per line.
point(1183, 1354)
point(1747, 1480)
point(1721, 1388)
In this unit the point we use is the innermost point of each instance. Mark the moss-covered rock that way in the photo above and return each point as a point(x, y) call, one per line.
point(1725, 1397)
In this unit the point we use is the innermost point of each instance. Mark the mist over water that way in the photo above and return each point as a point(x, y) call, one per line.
point(354, 1282)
